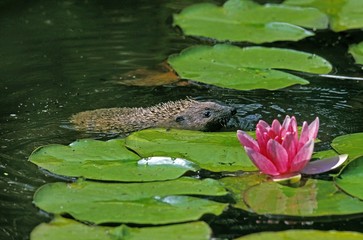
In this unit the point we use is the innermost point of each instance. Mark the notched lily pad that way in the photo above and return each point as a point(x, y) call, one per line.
point(246, 68)
point(238, 184)
point(249, 22)
point(108, 161)
point(141, 203)
point(214, 151)
point(343, 15)
point(350, 144)
point(303, 234)
point(357, 51)
point(309, 200)
point(351, 178)
point(67, 229)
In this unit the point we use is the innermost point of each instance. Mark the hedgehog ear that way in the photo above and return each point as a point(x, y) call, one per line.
point(179, 119)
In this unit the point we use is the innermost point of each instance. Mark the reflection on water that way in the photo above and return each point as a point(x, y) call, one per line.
point(58, 58)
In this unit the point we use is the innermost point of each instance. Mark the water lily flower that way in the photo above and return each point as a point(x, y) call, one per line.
point(279, 150)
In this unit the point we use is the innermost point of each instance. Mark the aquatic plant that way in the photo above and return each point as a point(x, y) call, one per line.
point(278, 150)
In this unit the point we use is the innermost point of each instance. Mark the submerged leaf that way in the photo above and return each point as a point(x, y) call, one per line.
point(246, 68)
point(245, 21)
point(67, 229)
point(142, 203)
point(110, 161)
point(161, 75)
point(214, 151)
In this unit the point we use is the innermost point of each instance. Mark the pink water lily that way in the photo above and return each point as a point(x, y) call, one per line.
point(279, 150)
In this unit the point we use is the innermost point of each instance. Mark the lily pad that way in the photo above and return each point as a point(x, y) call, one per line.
point(249, 22)
point(67, 229)
point(351, 178)
point(303, 234)
point(343, 14)
point(351, 144)
point(315, 198)
point(110, 161)
point(237, 185)
point(142, 203)
point(246, 68)
point(357, 51)
point(218, 151)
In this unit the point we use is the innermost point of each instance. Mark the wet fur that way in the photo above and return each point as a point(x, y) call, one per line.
point(182, 114)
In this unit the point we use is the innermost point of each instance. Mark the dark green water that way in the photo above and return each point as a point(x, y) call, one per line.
point(60, 57)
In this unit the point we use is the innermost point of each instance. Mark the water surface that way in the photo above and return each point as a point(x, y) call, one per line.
point(61, 57)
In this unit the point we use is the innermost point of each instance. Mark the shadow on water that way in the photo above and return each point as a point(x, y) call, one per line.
point(57, 57)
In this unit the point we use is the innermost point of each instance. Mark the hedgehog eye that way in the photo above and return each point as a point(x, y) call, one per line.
point(179, 119)
point(206, 114)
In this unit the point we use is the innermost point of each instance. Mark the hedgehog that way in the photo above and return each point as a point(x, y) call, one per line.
point(182, 114)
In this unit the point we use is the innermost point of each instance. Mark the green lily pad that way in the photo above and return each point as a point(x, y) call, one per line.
point(237, 185)
point(218, 151)
point(67, 229)
point(303, 234)
point(324, 154)
point(357, 51)
point(343, 14)
point(110, 161)
point(351, 178)
point(351, 144)
point(246, 68)
point(315, 198)
point(249, 22)
point(142, 203)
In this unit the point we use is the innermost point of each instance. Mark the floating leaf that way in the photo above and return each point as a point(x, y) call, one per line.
point(246, 68)
point(109, 160)
point(142, 203)
point(351, 179)
point(306, 17)
point(218, 151)
point(237, 185)
point(249, 22)
point(303, 234)
point(315, 198)
point(350, 144)
point(67, 229)
point(343, 14)
point(357, 51)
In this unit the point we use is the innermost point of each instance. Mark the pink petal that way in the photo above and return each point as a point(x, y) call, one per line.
point(261, 162)
point(293, 125)
point(314, 128)
point(302, 157)
point(262, 139)
point(276, 126)
point(290, 145)
point(278, 155)
point(247, 141)
point(304, 136)
point(286, 122)
point(262, 124)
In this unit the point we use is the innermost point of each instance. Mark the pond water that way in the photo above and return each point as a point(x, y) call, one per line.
point(58, 58)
